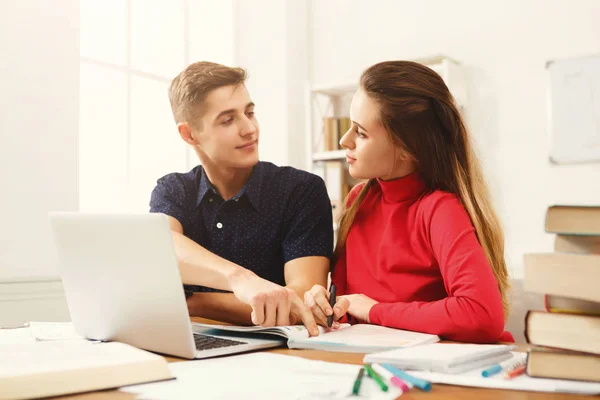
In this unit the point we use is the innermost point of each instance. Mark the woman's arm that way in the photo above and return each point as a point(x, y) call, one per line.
point(473, 310)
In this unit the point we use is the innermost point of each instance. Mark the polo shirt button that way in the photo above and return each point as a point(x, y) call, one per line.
point(210, 200)
point(219, 225)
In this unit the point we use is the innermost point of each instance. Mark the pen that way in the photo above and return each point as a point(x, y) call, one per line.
point(420, 383)
point(357, 382)
point(391, 377)
point(376, 378)
point(506, 365)
point(332, 296)
point(520, 370)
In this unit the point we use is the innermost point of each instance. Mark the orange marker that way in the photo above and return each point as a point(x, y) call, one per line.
point(520, 370)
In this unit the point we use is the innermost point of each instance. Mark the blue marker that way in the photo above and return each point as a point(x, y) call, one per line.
point(493, 370)
point(420, 383)
point(517, 360)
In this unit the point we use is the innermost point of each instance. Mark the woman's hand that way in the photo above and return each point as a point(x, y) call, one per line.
point(317, 299)
point(360, 306)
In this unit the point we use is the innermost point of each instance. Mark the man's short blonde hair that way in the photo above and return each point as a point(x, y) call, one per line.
point(190, 88)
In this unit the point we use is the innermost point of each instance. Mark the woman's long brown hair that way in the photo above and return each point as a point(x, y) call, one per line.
point(420, 114)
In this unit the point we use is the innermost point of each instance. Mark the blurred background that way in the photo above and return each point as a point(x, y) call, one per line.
point(85, 122)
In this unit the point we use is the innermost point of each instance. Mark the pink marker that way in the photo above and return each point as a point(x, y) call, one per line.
point(404, 386)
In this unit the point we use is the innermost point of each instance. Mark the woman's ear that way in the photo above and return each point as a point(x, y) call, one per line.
point(402, 154)
point(185, 131)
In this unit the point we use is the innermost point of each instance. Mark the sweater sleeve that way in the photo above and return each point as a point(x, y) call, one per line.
point(473, 310)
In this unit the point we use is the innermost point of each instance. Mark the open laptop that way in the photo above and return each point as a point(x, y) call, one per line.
point(122, 283)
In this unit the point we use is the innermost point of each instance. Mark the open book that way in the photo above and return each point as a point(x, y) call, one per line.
point(361, 338)
point(44, 369)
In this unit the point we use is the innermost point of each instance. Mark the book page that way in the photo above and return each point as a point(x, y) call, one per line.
point(295, 332)
point(66, 355)
point(374, 335)
point(53, 331)
point(16, 335)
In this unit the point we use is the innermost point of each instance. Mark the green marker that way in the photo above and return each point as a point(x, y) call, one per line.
point(376, 378)
point(357, 382)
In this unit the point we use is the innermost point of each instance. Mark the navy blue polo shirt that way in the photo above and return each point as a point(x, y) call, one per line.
point(280, 214)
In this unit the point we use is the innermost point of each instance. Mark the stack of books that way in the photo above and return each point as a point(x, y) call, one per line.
point(566, 336)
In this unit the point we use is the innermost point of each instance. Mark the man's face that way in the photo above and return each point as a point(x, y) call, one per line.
point(228, 130)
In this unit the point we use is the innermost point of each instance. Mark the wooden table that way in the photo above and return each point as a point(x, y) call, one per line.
point(438, 391)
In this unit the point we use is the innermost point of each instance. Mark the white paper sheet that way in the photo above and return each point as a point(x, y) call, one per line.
point(261, 375)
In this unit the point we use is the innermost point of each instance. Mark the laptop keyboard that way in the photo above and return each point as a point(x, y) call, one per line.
point(204, 342)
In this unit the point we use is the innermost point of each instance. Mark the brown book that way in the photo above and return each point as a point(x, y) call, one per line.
point(584, 244)
point(563, 331)
point(330, 133)
point(582, 220)
point(45, 369)
point(561, 364)
point(343, 127)
point(563, 274)
point(571, 306)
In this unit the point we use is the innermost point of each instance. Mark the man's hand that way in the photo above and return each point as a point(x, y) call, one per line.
point(270, 302)
point(299, 312)
point(272, 305)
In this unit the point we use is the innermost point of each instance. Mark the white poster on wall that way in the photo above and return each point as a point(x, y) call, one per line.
point(574, 110)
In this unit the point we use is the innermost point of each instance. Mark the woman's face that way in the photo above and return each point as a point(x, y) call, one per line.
point(371, 153)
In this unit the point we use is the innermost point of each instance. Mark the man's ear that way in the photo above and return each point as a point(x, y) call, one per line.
point(185, 131)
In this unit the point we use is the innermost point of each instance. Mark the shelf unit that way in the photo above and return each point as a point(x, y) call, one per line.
point(329, 155)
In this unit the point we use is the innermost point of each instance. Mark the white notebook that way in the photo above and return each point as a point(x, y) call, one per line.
point(473, 378)
point(450, 358)
point(360, 338)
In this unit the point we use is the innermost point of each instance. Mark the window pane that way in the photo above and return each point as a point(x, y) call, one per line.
point(211, 31)
point(104, 30)
point(156, 148)
point(102, 138)
point(157, 36)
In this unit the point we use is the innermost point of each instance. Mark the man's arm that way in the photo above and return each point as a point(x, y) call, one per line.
point(223, 307)
point(301, 274)
point(269, 302)
point(199, 266)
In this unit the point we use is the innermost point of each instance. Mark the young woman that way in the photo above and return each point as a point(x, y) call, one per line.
point(419, 245)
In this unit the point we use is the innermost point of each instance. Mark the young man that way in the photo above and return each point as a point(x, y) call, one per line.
point(259, 231)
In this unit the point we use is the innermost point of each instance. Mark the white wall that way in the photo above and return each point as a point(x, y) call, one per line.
point(504, 47)
point(39, 73)
point(271, 44)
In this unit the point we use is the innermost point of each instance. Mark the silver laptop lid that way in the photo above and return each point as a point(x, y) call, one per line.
point(122, 281)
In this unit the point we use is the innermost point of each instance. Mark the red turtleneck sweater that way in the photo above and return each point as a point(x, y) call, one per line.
point(418, 256)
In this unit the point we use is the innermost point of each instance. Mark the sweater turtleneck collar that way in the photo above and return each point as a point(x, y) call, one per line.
point(402, 189)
